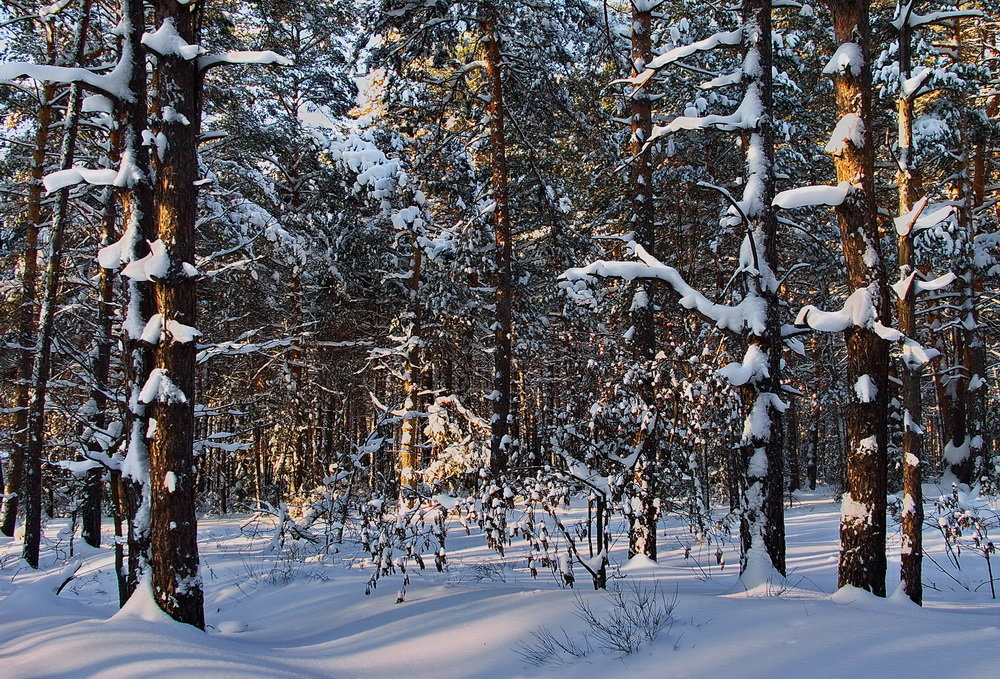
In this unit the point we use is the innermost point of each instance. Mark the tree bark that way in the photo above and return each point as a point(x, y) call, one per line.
point(502, 423)
point(792, 447)
point(409, 440)
point(93, 433)
point(176, 581)
point(762, 523)
point(644, 516)
point(137, 210)
point(911, 550)
point(812, 448)
point(863, 522)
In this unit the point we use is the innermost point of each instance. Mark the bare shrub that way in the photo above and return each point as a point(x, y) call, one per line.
point(634, 615)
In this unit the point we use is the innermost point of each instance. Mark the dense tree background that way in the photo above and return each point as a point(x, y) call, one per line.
point(352, 280)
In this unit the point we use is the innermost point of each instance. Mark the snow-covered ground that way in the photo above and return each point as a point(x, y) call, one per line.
point(291, 615)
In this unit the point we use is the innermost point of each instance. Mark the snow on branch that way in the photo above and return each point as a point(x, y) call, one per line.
point(920, 217)
point(114, 83)
point(166, 41)
point(748, 314)
point(903, 285)
point(725, 80)
point(724, 38)
point(159, 388)
point(914, 20)
point(61, 179)
point(859, 311)
point(850, 129)
point(753, 368)
point(152, 267)
point(261, 58)
point(810, 196)
point(746, 117)
point(848, 57)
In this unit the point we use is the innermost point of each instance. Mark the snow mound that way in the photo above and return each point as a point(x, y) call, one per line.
point(141, 605)
point(231, 627)
point(640, 562)
point(849, 594)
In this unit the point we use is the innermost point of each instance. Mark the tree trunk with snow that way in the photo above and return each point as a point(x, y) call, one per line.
point(911, 551)
point(502, 422)
point(812, 448)
point(961, 405)
point(132, 481)
point(793, 447)
point(959, 379)
point(762, 523)
point(100, 367)
point(411, 427)
point(863, 521)
point(644, 515)
point(170, 391)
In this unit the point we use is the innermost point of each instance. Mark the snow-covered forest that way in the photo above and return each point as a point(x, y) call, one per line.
point(493, 338)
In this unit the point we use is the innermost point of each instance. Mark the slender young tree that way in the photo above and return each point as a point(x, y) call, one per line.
point(35, 447)
point(755, 317)
point(642, 532)
point(26, 310)
point(503, 427)
point(907, 180)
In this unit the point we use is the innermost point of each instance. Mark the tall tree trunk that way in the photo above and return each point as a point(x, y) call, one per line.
point(962, 432)
point(137, 210)
point(502, 424)
point(35, 448)
point(812, 447)
point(792, 446)
point(964, 428)
point(862, 526)
point(762, 523)
point(97, 421)
point(911, 550)
point(170, 393)
point(27, 313)
point(409, 440)
point(642, 531)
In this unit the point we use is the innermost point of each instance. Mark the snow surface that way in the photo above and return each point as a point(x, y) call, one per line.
point(275, 615)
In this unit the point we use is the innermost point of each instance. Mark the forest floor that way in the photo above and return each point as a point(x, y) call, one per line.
point(288, 614)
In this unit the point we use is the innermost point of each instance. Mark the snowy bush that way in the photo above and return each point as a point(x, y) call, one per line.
point(965, 521)
point(629, 616)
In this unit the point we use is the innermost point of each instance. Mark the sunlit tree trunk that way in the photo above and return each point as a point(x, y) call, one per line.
point(502, 423)
point(911, 551)
point(863, 522)
point(644, 515)
point(172, 471)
